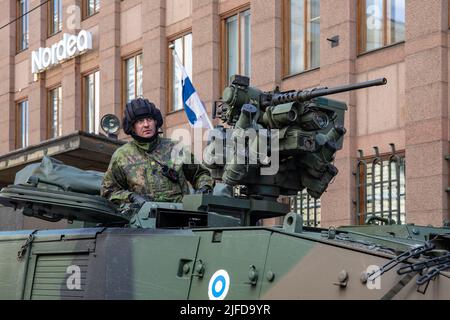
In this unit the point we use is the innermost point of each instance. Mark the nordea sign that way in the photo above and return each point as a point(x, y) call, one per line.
point(69, 47)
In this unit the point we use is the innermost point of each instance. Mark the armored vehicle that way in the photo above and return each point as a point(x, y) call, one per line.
point(217, 246)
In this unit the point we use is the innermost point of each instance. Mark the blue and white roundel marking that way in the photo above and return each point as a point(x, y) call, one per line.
point(219, 285)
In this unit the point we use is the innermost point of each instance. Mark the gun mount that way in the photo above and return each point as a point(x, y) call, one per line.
point(279, 143)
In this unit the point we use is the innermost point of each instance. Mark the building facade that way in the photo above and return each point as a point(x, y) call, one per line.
point(394, 160)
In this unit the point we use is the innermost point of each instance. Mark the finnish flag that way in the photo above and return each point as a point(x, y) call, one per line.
point(193, 106)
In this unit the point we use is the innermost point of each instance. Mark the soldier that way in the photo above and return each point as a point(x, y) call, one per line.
point(144, 169)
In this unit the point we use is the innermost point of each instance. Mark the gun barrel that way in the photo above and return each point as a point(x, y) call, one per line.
point(305, 95)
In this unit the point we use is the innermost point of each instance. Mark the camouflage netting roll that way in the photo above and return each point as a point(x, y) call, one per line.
point(53, 174)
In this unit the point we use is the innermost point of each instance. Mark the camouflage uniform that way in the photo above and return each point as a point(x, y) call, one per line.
point(134, 168)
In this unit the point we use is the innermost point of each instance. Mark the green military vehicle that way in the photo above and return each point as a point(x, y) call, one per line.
point(215, 246)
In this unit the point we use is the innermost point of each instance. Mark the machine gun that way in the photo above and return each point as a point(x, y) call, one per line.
point(240, 93)
point(298, 132)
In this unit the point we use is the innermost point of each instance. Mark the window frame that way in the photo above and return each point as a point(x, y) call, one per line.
point(50, 31)
point(19, 27)
point(84, 96)
point(362, 30)
point(84, 10)
point(286, 47)
point(49, 109)
point(361, 184)
point(312, 214)
point(224, 43)
point(18, 127)
point(124, 76)
point(170, 67)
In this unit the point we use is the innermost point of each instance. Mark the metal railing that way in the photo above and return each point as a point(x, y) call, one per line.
point(380, 187)
point(308, 207)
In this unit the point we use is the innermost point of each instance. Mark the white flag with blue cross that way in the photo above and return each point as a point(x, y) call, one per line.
point(193, 106)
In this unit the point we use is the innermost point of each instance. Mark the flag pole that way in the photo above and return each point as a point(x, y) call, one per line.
point(174, 53)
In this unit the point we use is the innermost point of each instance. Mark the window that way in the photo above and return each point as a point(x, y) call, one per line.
point(90, 7)
point(91, 112)
point(133, 78)
point(183, 48)
point(237, 46)
point(22, 25)
point(22, 121)
point(55, 113)
point(54, 17)
point(308, 207)
point(380, 183)
point(301, 35)
point(381, 23)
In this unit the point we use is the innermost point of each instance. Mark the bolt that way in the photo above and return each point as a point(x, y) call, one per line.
point(199, 267)
point(252, 275)
point(364, 277)
point(270, 276)
point(186, 269)
point(343, 276)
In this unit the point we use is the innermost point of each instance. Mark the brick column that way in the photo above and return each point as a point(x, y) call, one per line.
point(266, 44)
point(7, 53)
point(71, 96)
point(427, 131)
point(109, 57)
point(71, 80)
point(338, 17)
point(154, 52)
point(206, 50)
point(205, 61)
point(37, 101)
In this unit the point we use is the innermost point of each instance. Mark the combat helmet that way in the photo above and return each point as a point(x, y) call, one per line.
point(137, 109)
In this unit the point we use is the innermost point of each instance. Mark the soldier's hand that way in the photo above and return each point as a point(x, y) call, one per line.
point(204, 190)
point(139, 199)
